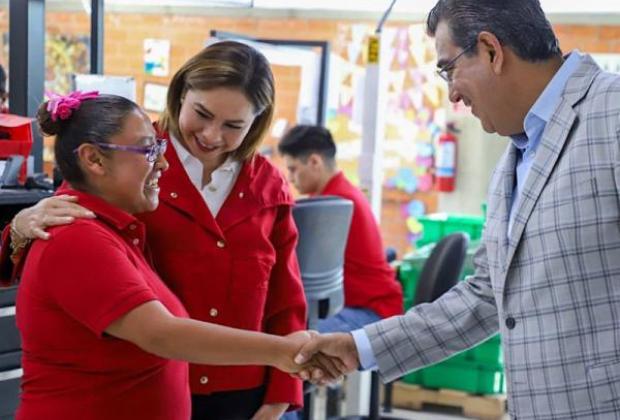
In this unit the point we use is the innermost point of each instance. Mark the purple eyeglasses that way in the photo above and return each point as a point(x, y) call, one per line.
point(151, 152)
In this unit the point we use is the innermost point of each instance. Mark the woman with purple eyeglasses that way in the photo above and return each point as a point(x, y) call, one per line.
point(102, 336)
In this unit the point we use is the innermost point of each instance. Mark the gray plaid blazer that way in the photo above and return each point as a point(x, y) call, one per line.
point(552, 288)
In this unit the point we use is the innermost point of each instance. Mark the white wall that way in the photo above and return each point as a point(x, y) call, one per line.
point(478, 153)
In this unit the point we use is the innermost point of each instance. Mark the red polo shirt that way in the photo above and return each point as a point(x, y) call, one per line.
point(369, 280)
point(74, 286)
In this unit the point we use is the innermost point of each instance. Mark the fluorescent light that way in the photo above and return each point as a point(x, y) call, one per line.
point(588, 7)
point(182, 3)
point(407, 7)
point(424, 6)
point(378, 6)
point(86, 4)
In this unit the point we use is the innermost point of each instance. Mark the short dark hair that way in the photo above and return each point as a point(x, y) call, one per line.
point(97, 119)
point(303, 140)
point(227, 64)
point(520, 25)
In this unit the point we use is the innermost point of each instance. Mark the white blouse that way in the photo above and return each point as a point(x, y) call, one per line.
point(222, 179)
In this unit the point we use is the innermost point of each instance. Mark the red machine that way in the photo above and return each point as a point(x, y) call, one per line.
point(16, 139)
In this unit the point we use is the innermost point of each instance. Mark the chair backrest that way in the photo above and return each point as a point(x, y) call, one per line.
point(323, 224)
point(442, 269)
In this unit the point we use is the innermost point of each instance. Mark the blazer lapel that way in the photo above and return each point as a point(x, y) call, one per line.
point(507, 183)
point(256, 188)
point(550, 149)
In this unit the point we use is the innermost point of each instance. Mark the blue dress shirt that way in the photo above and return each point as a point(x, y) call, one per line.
point(534, 125)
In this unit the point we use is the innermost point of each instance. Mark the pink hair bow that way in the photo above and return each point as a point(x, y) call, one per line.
point(62, 107)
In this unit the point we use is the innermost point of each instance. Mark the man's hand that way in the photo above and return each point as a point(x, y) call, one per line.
point(270, 411)
point(325, 355)
point(31, 222)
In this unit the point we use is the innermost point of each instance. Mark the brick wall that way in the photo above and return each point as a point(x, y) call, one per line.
point(591, 39)
point(124, 35)
point(123, 55)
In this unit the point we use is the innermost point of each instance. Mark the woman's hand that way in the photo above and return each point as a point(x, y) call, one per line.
point(287, 350)
point(30, 223)
point(318, 367)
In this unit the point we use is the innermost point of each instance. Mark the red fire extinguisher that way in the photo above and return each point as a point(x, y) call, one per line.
point(445, 160)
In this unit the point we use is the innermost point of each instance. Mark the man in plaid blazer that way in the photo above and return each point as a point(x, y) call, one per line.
point(548, 270)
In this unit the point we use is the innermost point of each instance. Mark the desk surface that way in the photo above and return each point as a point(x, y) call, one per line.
point(22, 196)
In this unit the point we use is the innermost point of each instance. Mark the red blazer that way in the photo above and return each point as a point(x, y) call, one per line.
point(239, 269)
point(369, 281)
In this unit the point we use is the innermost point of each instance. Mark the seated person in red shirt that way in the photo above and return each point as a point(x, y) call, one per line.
point(102, 336)
point(370, 289)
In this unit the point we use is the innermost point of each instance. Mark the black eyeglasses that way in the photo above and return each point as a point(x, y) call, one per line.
point(445, 72)
point(151, 152)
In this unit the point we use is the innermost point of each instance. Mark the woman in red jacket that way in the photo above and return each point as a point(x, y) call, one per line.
point(102, 336)
point(223, 238)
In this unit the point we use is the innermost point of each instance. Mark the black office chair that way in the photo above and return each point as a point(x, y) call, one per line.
point(375, 383)
point(323, 224)
point(441, 271)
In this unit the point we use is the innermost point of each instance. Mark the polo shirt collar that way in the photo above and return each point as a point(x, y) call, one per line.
point(333, 181)
point(105, 211)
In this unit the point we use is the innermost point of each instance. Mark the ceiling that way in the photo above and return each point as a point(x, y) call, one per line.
point(401, 6)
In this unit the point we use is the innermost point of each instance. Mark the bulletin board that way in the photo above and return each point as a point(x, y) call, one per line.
point(114, 85)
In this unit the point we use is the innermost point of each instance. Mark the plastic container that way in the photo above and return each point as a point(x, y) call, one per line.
point(414, 378)
point(407, 303)
point(488, 353)
point(467, 377)
point(463, 357)
point(451, 376)
point(438, 225)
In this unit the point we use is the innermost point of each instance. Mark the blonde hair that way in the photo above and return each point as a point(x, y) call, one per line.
point(232, 65)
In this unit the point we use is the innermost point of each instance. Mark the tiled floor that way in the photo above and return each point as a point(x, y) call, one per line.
point(422, 415)
point(439, 413)
point(425, 415)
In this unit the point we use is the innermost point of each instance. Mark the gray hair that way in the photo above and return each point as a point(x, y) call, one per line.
point(520, 25)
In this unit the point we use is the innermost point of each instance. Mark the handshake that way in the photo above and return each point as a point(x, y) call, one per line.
point(318, 358)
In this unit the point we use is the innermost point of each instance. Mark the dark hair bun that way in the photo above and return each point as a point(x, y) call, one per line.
point(46, 124)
